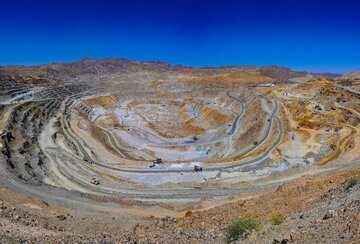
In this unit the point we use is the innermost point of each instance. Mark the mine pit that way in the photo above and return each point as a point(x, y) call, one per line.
point(176, 147)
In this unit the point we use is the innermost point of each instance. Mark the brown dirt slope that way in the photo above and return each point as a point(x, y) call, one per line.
point(304, 203)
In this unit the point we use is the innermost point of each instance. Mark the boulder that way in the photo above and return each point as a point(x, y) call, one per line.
point(329, 214)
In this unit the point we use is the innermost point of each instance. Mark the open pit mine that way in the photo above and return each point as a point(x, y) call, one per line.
point(125, 151)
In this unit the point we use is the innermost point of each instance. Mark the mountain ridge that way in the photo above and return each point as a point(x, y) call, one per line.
point(87, 66)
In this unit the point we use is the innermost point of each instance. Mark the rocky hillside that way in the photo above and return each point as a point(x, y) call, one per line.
point(352, 76)
point(116, 65)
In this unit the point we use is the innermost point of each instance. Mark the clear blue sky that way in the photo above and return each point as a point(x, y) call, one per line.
point(304, 35)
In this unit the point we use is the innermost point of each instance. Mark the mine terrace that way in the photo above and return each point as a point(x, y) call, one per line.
point(123, 136)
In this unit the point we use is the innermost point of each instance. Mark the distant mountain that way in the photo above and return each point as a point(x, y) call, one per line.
point(284, 74)
point(275, 72)
point(117, 65)
point(103, 66)
point(89, 67)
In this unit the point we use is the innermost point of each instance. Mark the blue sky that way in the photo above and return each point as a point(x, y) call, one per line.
point(318, 35)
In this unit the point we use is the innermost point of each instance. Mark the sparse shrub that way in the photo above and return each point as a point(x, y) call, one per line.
point(277, 219)
point(240, 229)
point(351, 183)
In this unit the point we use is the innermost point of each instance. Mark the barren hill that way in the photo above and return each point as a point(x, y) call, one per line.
point(113, 65)
point(352, 76)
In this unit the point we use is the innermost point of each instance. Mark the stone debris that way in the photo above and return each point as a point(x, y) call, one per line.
point(330, 214)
